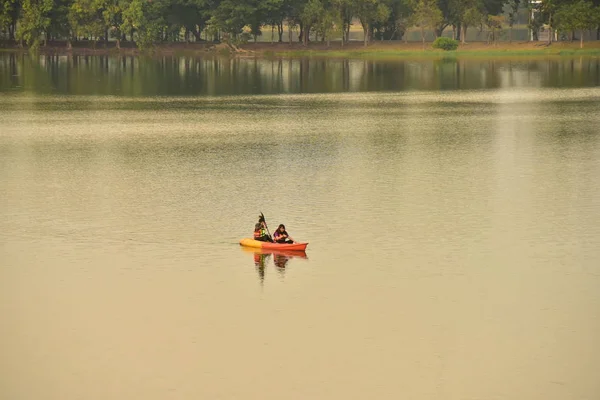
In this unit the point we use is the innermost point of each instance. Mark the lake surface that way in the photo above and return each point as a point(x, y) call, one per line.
point(452, 210)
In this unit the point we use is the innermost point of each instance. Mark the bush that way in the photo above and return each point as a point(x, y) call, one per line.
point(445, 43)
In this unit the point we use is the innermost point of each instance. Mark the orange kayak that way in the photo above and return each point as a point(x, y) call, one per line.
point(272, 246)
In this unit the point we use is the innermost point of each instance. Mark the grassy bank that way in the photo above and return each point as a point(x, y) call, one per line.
point(375, 50)
point(412, 49)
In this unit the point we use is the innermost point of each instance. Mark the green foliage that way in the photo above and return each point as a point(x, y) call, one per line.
point(445, 43)
point(513, 9)
point(493, 7)
point(145, 19)
point(370, 12)
point(577, 16)
point(427, 16)
point(9, 12)
point(397, 22)
point(86, 19)
point(232, 15)
point(152, 21)
point(311, 12)
point(34, 21)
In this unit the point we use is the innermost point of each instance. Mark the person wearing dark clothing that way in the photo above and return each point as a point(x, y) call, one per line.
point(281, 235)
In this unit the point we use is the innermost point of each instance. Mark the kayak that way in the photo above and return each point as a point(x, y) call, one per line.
point(276, 252)
point(272, 246)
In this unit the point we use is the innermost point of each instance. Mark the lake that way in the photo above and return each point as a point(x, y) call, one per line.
point(452, 210)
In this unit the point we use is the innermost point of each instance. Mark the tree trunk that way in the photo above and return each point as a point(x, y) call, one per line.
point(305, 31)
point(196, 34)
point(118, 42)
point(550, 29)
point(393, 32)
point(290, 32)
point(464, 34)
point(423, 37)
point(301, 33)
point(307, 35)
point(366, 33)
point(280, 31)
point(348, 32)
point(510, 34)
point(581, 40)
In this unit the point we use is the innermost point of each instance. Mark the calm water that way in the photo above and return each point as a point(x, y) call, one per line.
point(188, 76)
point(452, 210)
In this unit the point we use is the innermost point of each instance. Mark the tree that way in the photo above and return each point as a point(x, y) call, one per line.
point(472, 16)
point(85, 18)
point(397, 22)
point(9, 14)
point(467, 13)
point(274, 14)
point(427, 16)
point(146, 19)
point(34, 21)
point(343, 9)
point(59, 20)
point(597, 16)
point(231, 16)
point(494, 7)
point(494, 24)
point(446, 9)
point(548, 8)
point(370, 12)
point(112, 15)
point(513, 12)
point(310, 15)
point(577, 16)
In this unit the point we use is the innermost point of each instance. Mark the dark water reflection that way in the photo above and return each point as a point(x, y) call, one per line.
point(165, 76)
point(264, 260)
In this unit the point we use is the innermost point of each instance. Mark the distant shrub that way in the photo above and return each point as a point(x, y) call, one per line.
point(445, 43)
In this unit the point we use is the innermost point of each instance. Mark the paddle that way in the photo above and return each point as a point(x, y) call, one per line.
point(262, 217)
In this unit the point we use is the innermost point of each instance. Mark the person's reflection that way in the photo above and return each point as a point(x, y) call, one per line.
point(260, 261)
point(280, 261)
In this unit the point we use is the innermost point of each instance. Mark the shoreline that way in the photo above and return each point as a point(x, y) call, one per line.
point(375, 50)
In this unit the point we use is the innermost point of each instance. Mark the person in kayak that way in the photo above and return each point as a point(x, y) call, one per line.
point(260, 233)
point(281, 235)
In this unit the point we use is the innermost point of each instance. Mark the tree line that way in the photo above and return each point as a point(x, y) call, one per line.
point(147, 22)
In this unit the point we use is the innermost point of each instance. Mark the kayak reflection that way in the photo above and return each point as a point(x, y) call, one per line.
point(280, 259)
